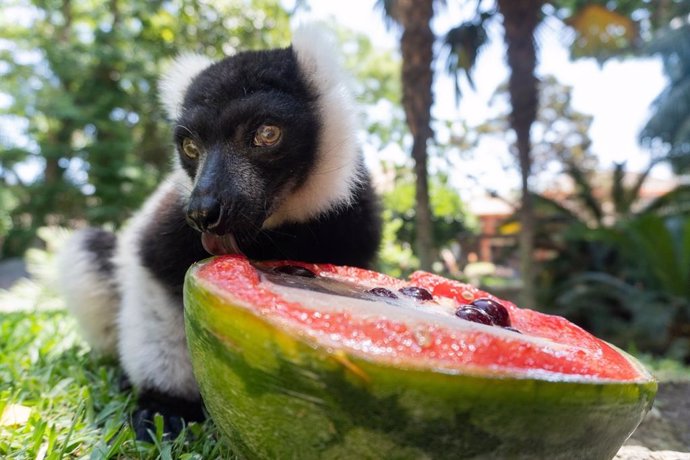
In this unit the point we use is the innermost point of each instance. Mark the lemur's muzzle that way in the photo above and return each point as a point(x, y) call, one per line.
point(204, 213)
point(227, 200)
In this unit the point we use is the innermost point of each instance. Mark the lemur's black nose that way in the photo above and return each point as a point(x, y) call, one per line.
point(204, 212)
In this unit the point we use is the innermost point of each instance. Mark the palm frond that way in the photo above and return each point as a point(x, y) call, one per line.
point(585, 191)
point(673, 203)
point(671, 108)
point(618, 195)
point(389, 10)
point(633, 192)
point(463, 44)
point(670, 121)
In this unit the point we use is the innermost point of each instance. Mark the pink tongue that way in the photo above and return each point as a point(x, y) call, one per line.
point(219, 245)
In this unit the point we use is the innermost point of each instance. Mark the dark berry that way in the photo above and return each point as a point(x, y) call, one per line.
point(295, 270)
point(416, 293)
point(474, 314)
point(512, 329)
point(383, 292)
point(497, 312)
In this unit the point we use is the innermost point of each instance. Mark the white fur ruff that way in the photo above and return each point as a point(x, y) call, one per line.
point(173, 84)
point(334, 177)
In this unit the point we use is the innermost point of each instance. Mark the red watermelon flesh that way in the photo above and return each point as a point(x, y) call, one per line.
point(419, 334)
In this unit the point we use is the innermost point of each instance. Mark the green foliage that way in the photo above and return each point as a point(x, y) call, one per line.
point(603, 28)
point(376, 85)
point(450, 216)
point(560, 133)
point(644, 299)
point(464, 43)
point(451, 219)
point(396, 257)
point(81, 77)
point(665, 369)
point(670, 120)
point(622, 274)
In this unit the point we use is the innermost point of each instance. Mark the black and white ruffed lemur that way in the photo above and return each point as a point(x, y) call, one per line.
point(267, 164)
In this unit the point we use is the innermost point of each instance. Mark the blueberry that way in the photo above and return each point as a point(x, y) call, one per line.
point(474, 314)
point(295, 270)
point(383, 292)
point(416, 293)
point(497, 312)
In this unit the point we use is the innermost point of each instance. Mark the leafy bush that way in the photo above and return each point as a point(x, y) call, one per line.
point(450, 219)
point(643, 299)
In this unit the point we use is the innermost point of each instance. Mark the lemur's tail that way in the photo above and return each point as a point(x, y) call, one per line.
point(86, 277)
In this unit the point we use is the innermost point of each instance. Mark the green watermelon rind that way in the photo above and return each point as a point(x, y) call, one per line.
point(277, 394)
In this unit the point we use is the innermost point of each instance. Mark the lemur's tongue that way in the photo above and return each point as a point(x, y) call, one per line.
point(218, 245)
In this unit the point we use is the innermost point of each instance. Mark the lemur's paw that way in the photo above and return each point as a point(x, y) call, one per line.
point(176, 413)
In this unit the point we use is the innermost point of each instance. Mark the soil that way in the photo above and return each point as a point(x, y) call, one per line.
point(665, 432)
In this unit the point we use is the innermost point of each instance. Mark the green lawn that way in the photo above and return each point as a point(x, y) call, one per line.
point(67, 404)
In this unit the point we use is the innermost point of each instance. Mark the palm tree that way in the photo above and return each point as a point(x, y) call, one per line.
point(416, 46)
point(520, 20)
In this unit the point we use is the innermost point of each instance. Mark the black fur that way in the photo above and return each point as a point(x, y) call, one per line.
point(243, 184)
point(168, 246)
point(176, 413)
point(101, 244)
point(343, 237)
point(223, 108)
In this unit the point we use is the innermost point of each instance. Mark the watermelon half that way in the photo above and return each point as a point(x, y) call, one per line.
point(307, 361)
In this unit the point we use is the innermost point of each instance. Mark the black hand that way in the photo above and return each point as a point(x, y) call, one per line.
point(176, 412)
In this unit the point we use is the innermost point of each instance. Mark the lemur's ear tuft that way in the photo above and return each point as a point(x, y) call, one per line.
point(317, 51)
point(175, 81)
point(336, 173)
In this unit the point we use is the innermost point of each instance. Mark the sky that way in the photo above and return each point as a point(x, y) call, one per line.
point(617, 94)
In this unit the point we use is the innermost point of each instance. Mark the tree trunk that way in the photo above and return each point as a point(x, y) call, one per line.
point(416, 45)
point(520, 19)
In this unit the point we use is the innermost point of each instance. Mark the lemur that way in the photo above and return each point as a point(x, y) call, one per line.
point(267, 164)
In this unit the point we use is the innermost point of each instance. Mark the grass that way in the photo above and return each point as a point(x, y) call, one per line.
point(68, 402)
point(74, 404)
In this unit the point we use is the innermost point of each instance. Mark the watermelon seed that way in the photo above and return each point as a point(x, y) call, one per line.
point(295, 270)
point(512, 329)
point(497, 312)
point(416, 293)
point(474, 314)
point(383, 292)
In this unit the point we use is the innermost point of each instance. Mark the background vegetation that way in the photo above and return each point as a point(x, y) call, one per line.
point(83, 141)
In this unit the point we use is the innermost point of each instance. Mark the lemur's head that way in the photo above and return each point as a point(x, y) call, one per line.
point(266, 137)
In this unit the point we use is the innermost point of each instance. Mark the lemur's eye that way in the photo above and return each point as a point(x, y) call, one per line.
point(190, 149)
point(267, 135)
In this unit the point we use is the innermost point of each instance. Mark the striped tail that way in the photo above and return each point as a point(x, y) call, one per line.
point(86, 277)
